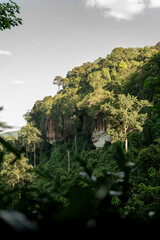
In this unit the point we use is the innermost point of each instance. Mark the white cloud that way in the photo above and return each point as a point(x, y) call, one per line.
point(18, 82)
point(154, 4)
point(5, 52)
point(122, 9)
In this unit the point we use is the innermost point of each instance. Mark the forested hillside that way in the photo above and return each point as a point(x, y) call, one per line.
point(91, 154)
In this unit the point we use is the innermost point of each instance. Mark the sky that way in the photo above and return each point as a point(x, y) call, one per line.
point(58, 35)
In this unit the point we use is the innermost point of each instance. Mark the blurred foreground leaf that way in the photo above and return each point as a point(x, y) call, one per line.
point(10, 148)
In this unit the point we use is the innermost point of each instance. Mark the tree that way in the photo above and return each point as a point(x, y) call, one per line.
point(16, 172)
point(149, 157)
point(29, 136)
point(58, 81)
point(95, 80)
point(123, 116)
point(8, 17)
point(75, 123)
point(153, 84)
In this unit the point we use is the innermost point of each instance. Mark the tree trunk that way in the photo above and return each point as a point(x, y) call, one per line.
point(126, 139)
point(19, 187)
point(26, 151)
point(75, 143)
point(34, 155)
point(69, 167)
point(126, 144)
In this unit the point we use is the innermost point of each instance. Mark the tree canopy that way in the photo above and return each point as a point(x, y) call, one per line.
point(123, 115)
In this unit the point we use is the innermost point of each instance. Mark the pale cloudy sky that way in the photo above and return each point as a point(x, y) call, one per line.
point(58, 35)
point(123, 9)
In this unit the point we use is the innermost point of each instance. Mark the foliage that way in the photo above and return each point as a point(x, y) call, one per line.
point(105, 188)
point(114, 87)
point(16, 172)
point(29, 137)
point(149, 157)
point(122, 115)
point(144, 181)
point(8, 16)
point(153, 83)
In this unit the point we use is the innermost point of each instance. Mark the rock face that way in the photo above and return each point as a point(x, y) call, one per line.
point(50, 133)
point(99, 138)
point(58, 128)
point(53, 129)
point(99, 134)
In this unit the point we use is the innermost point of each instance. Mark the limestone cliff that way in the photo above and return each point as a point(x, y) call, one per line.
point(99, 134)
point(59, 128)
point(50, 130)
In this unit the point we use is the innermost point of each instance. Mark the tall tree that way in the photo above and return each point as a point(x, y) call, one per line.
point(30, 136)
point(123, 115)
point(58, 81)
point(16, 172)
point(75, 123)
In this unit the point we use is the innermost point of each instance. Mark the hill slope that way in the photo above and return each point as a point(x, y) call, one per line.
point(77, 107)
